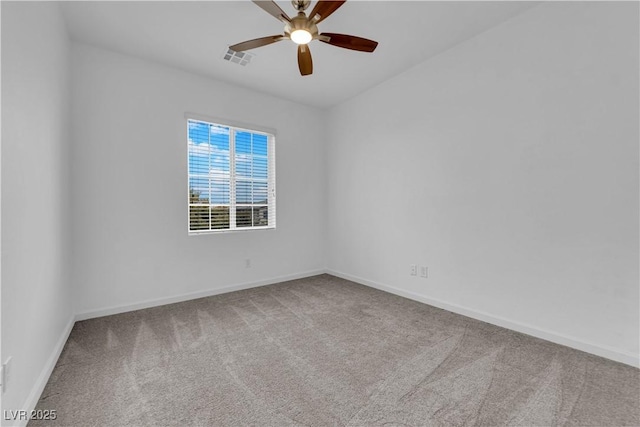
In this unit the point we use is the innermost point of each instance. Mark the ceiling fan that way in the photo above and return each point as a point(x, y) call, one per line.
point(302, 29)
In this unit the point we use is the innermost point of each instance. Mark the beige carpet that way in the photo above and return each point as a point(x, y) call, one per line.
point(324, 351)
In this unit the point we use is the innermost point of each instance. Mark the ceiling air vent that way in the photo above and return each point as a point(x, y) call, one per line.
point(242, 58)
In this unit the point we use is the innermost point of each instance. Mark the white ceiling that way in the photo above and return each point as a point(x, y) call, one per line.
point(193, 36)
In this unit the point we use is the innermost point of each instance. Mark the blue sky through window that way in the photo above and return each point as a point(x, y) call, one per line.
point(251, 168)
point(209, 164)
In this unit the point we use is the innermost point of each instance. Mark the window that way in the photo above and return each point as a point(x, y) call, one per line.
point(231, 178)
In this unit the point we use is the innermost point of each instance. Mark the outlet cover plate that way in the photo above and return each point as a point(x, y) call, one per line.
point(424, 272)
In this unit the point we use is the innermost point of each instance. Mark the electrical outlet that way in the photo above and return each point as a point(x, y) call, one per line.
point(424, 272)
point(5, 370)
point(414, 270)
point(247, 263)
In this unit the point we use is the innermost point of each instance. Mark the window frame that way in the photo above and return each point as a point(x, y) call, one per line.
point(234, 127)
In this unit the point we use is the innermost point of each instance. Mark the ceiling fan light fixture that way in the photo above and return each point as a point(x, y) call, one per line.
point(301, 36)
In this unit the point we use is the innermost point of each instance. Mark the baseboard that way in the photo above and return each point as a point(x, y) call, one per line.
point(598, 350)
point(193, 295)
point(32, 400)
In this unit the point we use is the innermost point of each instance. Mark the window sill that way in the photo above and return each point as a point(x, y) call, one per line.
point(229, 231)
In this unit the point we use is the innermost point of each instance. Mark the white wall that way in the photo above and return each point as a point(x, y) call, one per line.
point(129, 185)
point(36, 307)
point(509, 166)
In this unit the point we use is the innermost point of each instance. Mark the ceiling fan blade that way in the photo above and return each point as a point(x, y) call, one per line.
point(252, 44)
point(325, 8)
point(349, 42)
point(273, 9)
point(305, 64)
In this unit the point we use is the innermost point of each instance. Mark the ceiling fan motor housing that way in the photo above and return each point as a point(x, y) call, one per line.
point(301, 22)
